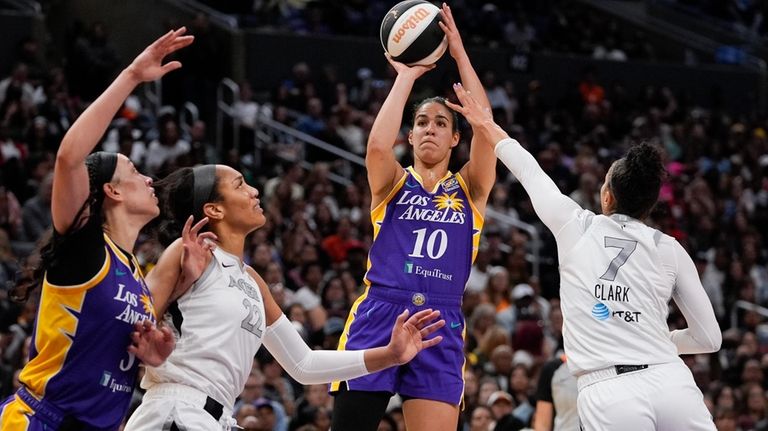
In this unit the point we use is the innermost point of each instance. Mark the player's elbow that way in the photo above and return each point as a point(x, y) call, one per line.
point(306, 378)
point(716, 340)
point(303, 373)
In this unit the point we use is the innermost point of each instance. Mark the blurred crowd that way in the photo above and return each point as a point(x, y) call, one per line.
point(552, 25)
point(313, 249)
point(746, 17)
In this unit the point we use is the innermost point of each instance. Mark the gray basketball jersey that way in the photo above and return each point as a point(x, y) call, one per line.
point(219, 325)
point(614, 292)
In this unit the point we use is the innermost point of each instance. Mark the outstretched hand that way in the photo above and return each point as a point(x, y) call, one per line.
point(409, 336)
point(474, 113)
point(195, 255)
point(150, 344)
point(479, 117)
point(414, 72)
point(148, 66)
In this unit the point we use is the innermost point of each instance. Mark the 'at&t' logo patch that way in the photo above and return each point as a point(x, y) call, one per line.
point(601, 311)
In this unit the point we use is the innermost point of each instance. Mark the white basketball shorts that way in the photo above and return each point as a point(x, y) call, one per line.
point(662, 397)
point(169, 406)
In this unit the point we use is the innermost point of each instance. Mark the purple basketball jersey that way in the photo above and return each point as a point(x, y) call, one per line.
point(424, 241)
point(79, 361)
point(424, 245)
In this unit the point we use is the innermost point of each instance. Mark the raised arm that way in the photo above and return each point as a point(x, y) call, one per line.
point(480, 171)
point(383, 168)
point(409, 337)
point(703, 334)
point(553, 208)
point(70, 181)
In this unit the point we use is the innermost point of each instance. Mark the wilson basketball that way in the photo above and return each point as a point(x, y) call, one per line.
point(410, 33)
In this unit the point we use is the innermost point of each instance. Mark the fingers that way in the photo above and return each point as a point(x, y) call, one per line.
point(143, 326)
point(420, 315)
point(431, 342)
point(199, 225)
point(180, 43)
point(135, 338)
point(401, 318)
point(171, 66)
point(187, 227)
point(425, 332)
point(455, 107)
point(166, 333)
point(461, 93)
point(210, 236)
point(443, 27)
point(391, 61)
point(447, 14)
point(168, 38)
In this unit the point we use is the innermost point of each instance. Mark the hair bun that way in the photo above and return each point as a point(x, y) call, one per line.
point(644, 160)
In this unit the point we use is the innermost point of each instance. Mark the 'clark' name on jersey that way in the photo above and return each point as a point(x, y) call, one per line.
point(416, 210)
point(611, 292)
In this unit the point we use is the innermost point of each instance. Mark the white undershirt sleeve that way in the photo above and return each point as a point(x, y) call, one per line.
point(309, 366)
point(557, 211)
point(703, 334)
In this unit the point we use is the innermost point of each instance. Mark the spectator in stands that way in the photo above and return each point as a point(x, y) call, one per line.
point(166, 150)
point(36, 212)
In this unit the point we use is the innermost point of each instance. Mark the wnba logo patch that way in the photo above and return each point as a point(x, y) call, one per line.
point(601, 311)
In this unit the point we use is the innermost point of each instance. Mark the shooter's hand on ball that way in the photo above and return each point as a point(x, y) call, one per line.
point(413, 72)
point(455, 45)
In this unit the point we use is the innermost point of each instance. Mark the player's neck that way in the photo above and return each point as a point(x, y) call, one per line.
point(231, 242)
point(431, 174)
point(124, 233)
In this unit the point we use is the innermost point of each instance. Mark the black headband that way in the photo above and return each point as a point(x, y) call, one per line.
point(203, 187)
point(101, 168)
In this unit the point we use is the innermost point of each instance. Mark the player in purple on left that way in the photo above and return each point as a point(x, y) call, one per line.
point(96, 320)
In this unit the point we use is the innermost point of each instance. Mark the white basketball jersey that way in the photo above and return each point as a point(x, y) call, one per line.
point(219, 325)
point(614, 294)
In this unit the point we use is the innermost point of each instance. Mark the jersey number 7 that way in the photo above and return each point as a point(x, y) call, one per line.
point(627, 248)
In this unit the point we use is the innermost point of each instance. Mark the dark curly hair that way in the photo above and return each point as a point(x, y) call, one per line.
point(636, 180)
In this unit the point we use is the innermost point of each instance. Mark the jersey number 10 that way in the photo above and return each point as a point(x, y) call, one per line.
point(437, 243)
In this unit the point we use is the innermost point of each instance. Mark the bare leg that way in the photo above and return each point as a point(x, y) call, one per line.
point(430, 415)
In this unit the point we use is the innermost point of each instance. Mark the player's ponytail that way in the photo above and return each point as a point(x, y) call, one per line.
point(181, 194)
point(101, 168)
point(635, 180)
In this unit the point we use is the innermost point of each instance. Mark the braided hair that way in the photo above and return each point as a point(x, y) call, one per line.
point(101, 168)
point(636, 180)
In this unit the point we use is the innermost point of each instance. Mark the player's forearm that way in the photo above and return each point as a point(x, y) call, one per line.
point(379, 358)
point(311, 366)
point(387, 124)
point(471, 81)
point(88, 129)
point(690, 343)
point(703, 334)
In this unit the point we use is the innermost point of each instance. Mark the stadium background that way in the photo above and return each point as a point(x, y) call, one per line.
point(287, 90)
